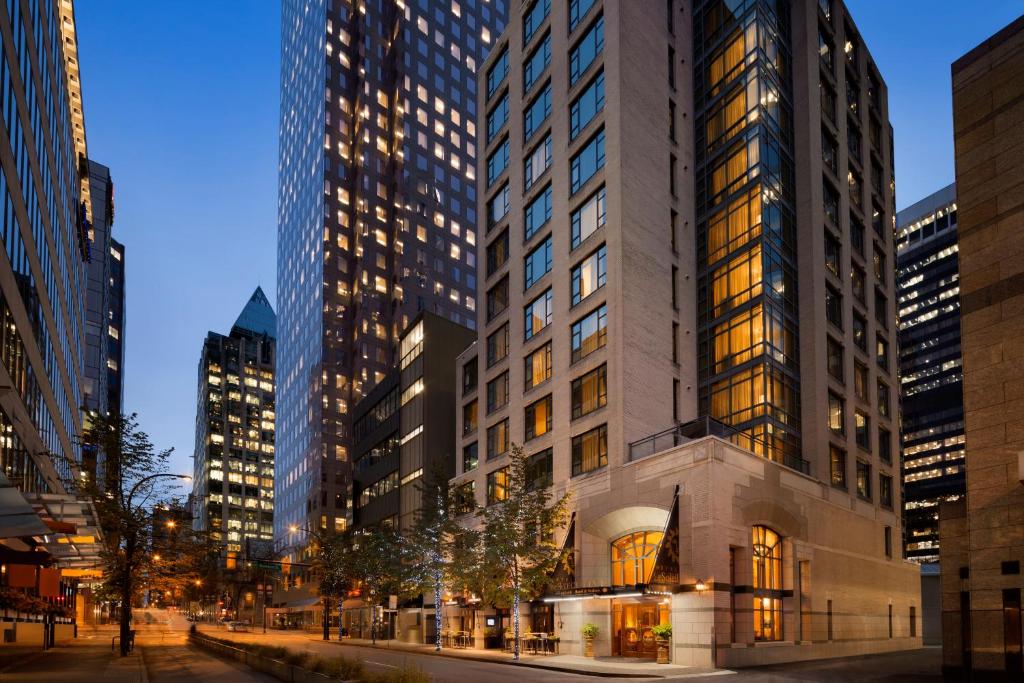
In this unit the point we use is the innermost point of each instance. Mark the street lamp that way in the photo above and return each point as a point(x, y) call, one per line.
point(293, 528)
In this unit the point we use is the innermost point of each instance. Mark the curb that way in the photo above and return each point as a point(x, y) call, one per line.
point(506, 662)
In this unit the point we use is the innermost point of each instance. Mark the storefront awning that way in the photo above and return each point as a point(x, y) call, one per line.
point(18, 519)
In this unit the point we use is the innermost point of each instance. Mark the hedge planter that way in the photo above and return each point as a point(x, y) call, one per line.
point(589, 632)
point(663, 636)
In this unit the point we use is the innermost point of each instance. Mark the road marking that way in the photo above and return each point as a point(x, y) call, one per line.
point(390, 666)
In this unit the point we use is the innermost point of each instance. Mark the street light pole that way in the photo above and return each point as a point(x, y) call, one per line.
point(326, 601)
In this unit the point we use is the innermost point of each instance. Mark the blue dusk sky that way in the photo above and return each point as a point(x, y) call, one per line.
point(181, 102)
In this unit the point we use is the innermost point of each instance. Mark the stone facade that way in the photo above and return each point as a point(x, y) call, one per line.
point(982, 582)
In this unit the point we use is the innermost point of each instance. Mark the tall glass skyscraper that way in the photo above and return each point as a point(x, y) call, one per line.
point(377, 216)
point(931, 367)
point(47, 238)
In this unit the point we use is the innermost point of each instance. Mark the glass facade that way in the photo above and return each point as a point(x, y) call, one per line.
point(233, 470)
point(377, 214)
point(47, 236)
point(931, 373)
point(747, 317)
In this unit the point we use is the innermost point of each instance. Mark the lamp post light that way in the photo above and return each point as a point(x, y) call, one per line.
point(326, 602)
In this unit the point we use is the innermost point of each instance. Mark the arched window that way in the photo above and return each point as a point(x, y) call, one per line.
point(633, 557)
point(767, 583)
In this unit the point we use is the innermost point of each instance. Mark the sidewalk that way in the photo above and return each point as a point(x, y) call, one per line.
point(84, 660)
point(620, 667)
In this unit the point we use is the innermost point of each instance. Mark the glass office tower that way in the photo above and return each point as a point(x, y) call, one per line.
point(377, 216)
point(931, 367)
point(47, 238)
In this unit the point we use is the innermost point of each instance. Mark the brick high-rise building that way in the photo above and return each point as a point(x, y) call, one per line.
point(377, 216)
point(688, 320)
point(982, 538)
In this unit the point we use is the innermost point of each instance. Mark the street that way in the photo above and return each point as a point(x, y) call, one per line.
point(162, 648)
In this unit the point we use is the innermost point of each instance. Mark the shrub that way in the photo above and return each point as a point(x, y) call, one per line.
point(590, 630)
point(662, 631)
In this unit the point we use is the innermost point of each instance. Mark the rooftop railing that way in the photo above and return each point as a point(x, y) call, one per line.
point(700, 428)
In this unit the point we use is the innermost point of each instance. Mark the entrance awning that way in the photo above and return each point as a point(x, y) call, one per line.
point(18, 519)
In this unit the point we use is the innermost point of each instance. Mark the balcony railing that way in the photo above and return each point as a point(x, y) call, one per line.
point(700, 428)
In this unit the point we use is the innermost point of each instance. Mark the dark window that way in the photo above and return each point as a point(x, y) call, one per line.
point(497, 162)
point(883, 399)
point(834, 307)
point(497, 345)
point(885, 494)
point(590, 450)
point(829, 153)
point(469, 377)
point(497, 439)
point(497, 392)
point(497, 253)
point(863, 480)
point(831, 202)
point(856, 235)
point(835, 360)
point(470, 457)
point(884, 445)
point(497, 298)
point(857, 283)
point(881, 309)
point(860, 331)
point(833, 253)
point(862, 430)
point(539, 470)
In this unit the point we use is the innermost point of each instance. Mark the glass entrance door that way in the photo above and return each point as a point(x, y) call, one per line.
point(632, 623)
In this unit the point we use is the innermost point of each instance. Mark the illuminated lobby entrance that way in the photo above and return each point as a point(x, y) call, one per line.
point(631, 627)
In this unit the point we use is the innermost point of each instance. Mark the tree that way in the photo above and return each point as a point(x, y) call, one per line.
point(133, 469)
point(519, 550)
point(333, 563)
point(380, 566)
point(430, 542)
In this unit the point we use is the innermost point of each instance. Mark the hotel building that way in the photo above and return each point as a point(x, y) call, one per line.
point(233, 478)
point(687, 319)
point(931, 379)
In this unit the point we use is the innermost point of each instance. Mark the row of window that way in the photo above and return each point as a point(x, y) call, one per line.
point(585, 278)
point(837, 468)
point(589, 453)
